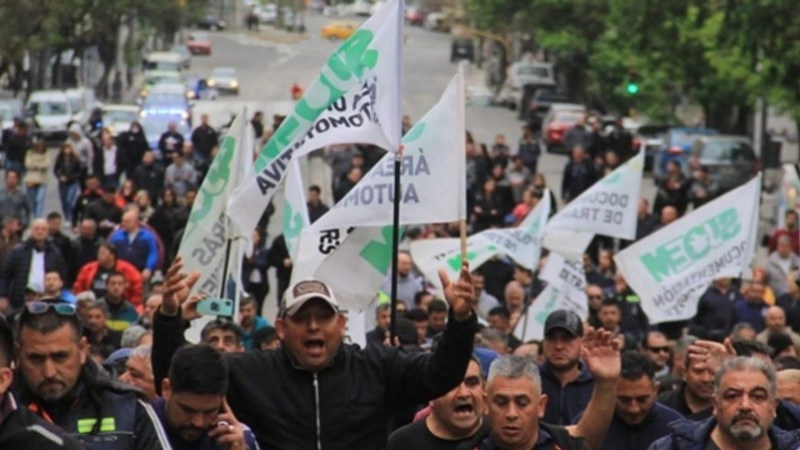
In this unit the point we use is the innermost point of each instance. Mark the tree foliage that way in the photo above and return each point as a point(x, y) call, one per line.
point(720, 54)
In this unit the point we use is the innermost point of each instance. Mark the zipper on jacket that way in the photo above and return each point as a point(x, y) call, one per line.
point(316, 407)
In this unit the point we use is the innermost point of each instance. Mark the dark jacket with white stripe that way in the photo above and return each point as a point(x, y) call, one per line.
point(20, 429)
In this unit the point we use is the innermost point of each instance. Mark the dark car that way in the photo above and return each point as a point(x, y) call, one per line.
point(730, 160)
point(211, 23)
point(462, 48)
point(677, 146)
point(540, 101)
point(649, 138)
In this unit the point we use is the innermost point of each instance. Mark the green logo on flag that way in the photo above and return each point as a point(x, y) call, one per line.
point(541, 316)
point(455, 262)
point(292, 222)
point(378, 254)
point(214, 184)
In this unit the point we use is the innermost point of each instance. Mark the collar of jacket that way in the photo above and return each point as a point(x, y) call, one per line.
point(696, 433)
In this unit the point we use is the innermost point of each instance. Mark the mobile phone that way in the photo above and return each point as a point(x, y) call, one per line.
point(215, 307)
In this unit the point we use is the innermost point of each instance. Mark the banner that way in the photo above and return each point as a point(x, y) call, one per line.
point(204, 242)
point(356, 98)
point(607, 208)
point(295, 209)
point(356, 328)
point(566, 289)
point(671, 268)
point(433, 173)
point(522, 244)
point(359, 265)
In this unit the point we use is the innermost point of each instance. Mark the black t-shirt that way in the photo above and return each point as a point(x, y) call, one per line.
point(417, 435)
point(99, 282)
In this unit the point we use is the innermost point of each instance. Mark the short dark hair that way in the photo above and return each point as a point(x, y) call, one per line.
point(224, 325)
point(418, 296)
point(416, 315)
point(199, 369)
point(500, 311)
point(787, 362)
point(108, 246)
point(48, 322)
point(315, 188)
point(791, 212)
point(437, 305)
point(383, 307)
point(114, 273)
point(610, 302)
point(752, 348)
point(248, 300)
point(266, 335)
point(635, 366)
point(6, 343)
point(54, 215)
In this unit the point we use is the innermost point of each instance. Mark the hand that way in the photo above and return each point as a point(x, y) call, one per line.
point(5, 305)
point(189, 307)
point(460, 295)
point(601, 355)
point(711, 354)
point(146, 275)
point(63, 179)
point(287, 262)
point(177, 287)
point(229, 431)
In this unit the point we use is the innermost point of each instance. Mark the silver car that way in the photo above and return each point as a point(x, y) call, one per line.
point(730, 160)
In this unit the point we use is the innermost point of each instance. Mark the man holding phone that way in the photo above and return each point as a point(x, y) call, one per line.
point(316, 391)
point(193, 410)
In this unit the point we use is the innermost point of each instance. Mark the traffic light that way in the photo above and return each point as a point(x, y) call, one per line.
point(632, 86)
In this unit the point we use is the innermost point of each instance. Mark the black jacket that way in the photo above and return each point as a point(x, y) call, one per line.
point(345, 406)
point(16, 269)
point(693, 435)
point(21, 429)
point(577, 178)
point(83, 201)
point(70, 168)
point(204, 139)
point(177, 145)
point(132, 147)
point(67, 249)
point(86, 413)
point(151, 179)
point(558, 437)
point(99, 211)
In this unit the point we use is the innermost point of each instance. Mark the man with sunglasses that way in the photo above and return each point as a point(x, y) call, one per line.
point(656, 349)
point(316, 391)
point(63, 386)
point(19, 428)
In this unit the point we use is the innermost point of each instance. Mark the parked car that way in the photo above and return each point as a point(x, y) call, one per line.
point(649, 138)
point(462, 48)
point(118, 118)
point(415, 16)
point(339, 30)
point(163, 61)
point(10, 109)
point(730, 160)
point(199, 44)
point(539, 104)
point(555, 127)
point(52, 112)
point(677, 147)
point(186, 54)
point(224, 80)
point(211, 23)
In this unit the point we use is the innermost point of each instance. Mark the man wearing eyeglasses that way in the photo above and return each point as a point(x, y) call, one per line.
point(62, 386)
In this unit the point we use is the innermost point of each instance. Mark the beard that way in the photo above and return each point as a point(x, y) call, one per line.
point(745, 432)
point(563, 367)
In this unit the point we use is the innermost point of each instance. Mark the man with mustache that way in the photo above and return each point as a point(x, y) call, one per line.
point(744, 410)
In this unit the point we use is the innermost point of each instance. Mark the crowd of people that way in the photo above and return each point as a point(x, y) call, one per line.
point(93, 355)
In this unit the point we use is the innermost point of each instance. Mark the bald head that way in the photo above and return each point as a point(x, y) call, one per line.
point(39, 231)
point(515, 296)
point(404, 264)
point(789, 385)
point(775, 319)
point(668, 215)
point(130, 220)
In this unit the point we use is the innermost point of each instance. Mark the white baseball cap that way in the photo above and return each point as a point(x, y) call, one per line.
point(299, 293)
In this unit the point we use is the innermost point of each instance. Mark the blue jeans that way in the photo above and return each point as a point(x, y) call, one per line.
point(36, 196)
point(68, 193)
point(16, 166)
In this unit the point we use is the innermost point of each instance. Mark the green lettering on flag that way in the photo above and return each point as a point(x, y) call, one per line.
point(214, 184)
point(541, 316)
point(378, 254)
point(292, 222)
point(348, 61)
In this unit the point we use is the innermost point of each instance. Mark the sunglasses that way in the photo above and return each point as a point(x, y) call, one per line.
point(659, 349)
point(62, 308)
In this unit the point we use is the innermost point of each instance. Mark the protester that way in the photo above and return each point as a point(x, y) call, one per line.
point(136, 244)
point(37, 165)
point(250, 321)
point(171, 142)
point(579, 174)
point(14, 201)
point(99, 335)
point(105, 212)
point(20, 428)
point(696, 394)
point(316, 208)
point(790, 228)
point(775, 320)
point(782, 262)
point(27, 265)
point(121, 312)
point(383, 315)
point(408, 283)
point(60, 385)
point(139, 372)
point(221, 334)
point(744, 409)
point(312, 332)
point(657, 350)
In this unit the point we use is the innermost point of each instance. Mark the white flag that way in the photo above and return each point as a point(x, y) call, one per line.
point(204, 242)
point(607, 208)
point(432, 173)
point(671, 268)
point(356, 98)
point(523, 243)
point(295, 209)
point(356, 269)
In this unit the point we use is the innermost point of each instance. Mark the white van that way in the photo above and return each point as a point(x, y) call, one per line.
point(52, 112)
point(163, 61)
point(82, 101)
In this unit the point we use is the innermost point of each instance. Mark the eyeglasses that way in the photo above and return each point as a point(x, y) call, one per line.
point(659, 349)
point(62, 308)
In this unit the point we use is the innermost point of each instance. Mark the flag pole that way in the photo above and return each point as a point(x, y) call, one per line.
point(398, 158)
point(462, 225)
